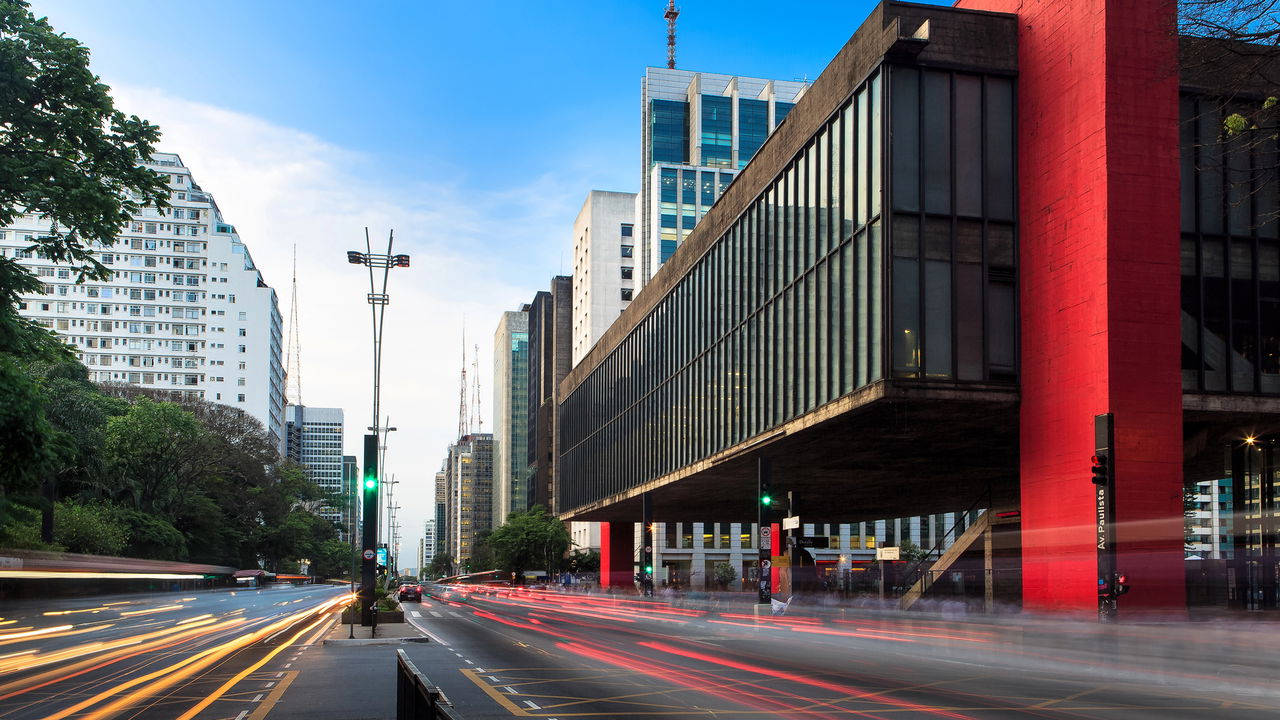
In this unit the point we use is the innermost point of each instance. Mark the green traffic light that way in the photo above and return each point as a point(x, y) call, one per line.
point(766, 500)
point(648, 568)
point(371, 483)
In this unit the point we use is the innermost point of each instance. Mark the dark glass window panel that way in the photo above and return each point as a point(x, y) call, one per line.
point(753, 128)
point(843, 293)
point(1209, 195)
point(1266, 199)
point(804, 203)
point(1190, 315)
point(862, 143)
point(906, 316)
point(781, 109)
point(937, 239)
point(968, 114)
point(849, 176)
point(669, 180)
point(707, 188)
point(876, 147)
point(667, 220)
point(1187, 162)
point(668, 121)
point(969, 241)
point(688, 221)
point(937, 318)
point(1001, 141)
point(717, 130)
point(688, 187)
point(1239, 186)
point(1269, 315)
point(862, 308)
point(905, 138)
point(969, 321)
point(936, 112)
point(1244, 339)
point(876, 310)
point(823, 191)
point(1213, 269)
point(1002, 314)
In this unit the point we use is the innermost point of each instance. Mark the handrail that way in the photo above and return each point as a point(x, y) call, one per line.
point(416, 697)
point(935, 552)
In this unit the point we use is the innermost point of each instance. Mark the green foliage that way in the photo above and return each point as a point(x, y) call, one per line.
point(723, 574)
point(583, 561)
point(912, 552)
point(150, 537)
point(70, 156)
point(483, 556)
point(89, 529)
point(25, 453)
point(530, 539)
point(332, 559)
point(160, 453)
point(20, 527)
point(441, 566)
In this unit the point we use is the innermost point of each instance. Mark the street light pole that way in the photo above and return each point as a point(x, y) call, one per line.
point(369, 485)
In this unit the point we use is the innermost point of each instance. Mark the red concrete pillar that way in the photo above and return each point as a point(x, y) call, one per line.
point(775, 549)
point(1098, 273)
point(617, 555)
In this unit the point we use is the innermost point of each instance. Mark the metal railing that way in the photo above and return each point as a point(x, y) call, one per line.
point(416, 697)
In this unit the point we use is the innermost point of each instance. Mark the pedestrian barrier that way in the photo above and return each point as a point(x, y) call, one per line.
point(416, 697)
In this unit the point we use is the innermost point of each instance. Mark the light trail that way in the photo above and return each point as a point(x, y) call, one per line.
point(165, 608)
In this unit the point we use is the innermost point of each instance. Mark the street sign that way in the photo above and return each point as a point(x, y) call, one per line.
point(765, 564)
point(887, 553)
point(766, 534)
point(382, 556)
point(368, 554)
point(791, 523)
point(821, 542)
point(781, 561)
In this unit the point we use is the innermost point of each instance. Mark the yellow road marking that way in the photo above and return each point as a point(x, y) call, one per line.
point(1080, 694)
point(492, 692)
point(276, 693)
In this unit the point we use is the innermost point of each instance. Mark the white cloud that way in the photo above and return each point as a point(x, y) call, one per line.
point(476, 252)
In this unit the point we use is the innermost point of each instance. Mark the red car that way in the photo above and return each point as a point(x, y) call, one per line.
point(409, 592)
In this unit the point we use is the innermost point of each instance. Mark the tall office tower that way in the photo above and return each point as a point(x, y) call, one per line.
point(698, 130)
point(510, 409)
point(442, 510)
point(186, 310)
point(604, 265)
point(350, 478)
point(315, 442)
point(550, 318)
point(428, 544)
point(469, 481)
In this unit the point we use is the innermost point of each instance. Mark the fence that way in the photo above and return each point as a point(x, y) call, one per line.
point(416, 697)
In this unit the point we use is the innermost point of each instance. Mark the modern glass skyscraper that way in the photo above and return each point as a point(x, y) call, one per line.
point(510, 412)
point(315, 441)
point(698, 130)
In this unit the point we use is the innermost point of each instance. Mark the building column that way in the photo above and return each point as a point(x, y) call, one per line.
point(1098, 179)
point(617, 555)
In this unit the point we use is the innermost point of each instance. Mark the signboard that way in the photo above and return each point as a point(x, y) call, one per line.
point(781, 561)
point(821, 542)
point(887, 553)
point(368, 554)
point(791, 523)
point(382, 556)
point(766, 535)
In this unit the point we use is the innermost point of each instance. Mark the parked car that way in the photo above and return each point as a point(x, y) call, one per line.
point(409, 592)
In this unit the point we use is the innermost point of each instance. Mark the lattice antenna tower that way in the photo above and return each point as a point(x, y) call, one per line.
point(293, 353)
point(475, 398)
point(464, 419)
point(671, 14)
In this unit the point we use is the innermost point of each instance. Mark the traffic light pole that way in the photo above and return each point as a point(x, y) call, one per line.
point(646, 542)
point(764, 518)
point(369, 535)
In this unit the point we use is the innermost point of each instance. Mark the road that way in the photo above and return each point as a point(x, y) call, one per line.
point(531, 654)
point(259, 655)
point(151, 656)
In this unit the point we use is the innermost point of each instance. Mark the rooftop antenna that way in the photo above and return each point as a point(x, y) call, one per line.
point(293, 355)
point(475, 398)
point(463, 418)
point(671, 14)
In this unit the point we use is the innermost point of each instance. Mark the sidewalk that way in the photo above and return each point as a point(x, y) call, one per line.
point(387, 634)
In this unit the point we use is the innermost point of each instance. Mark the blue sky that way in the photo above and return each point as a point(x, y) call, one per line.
point(474, 130)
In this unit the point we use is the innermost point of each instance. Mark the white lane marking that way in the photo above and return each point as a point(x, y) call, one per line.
point(288, 665)
point(458, 654)
point(242, 714)
point(494, 679)
point(415, 613)
point(532, 704)
point(510, 690)
point(258, 698)
point(434, 613)
point(279, 674)
point(469, 662)
point(273, 682)
point(479, 669)
point(453, 614)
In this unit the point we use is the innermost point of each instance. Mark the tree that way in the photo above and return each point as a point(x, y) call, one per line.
point(89, 529)
point(528, 539)
point(441, 566)
point(584, 561)
point(483, 556)
point(912, 552)
point(67, 154)
point(161, 453)
point(723, 574)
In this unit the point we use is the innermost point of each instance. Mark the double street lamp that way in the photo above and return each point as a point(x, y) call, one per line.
point(369, 486)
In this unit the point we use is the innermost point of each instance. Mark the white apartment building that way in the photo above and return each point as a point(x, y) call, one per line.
point(184, 299)
point(510, 414)
point(427, 545)
point(314, 440)
point(605, 275)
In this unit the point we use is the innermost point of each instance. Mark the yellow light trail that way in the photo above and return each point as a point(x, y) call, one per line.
point(80, 575)
point(165, 608)
point(33, 633)
point(100, 608)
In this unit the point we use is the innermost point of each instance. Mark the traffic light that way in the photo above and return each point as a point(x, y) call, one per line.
point(1104, 588)
point(766, 499)
point(371, 482)
point(648, 569)
point(399, 261)
point(1122, 584)
point(1101, 469)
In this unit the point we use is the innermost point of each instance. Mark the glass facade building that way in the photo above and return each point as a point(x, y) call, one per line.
point(885, 247)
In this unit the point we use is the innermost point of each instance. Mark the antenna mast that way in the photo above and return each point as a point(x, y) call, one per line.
point(671, 14)
point(464, 419)
point(475, 397)
point(293, 355)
